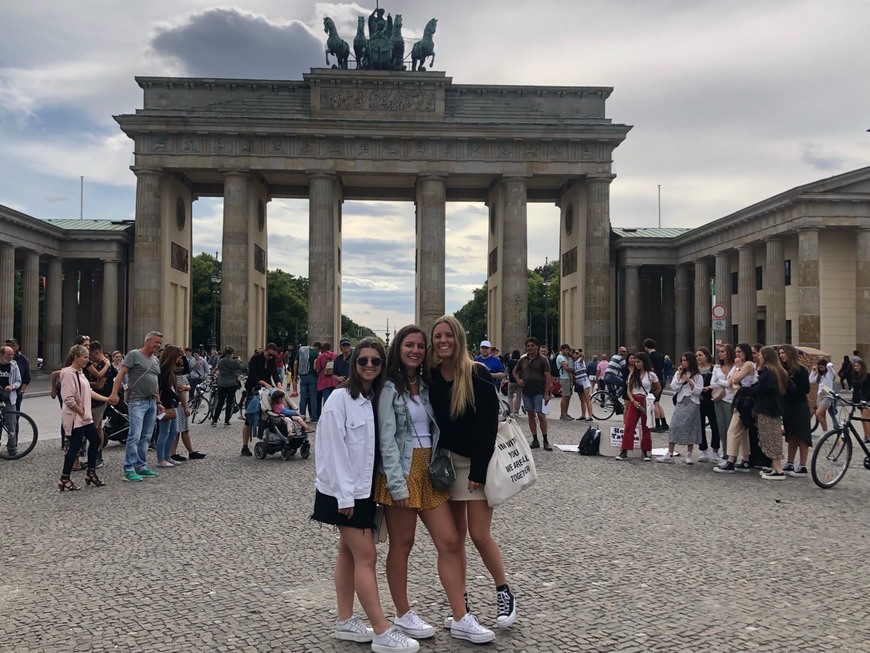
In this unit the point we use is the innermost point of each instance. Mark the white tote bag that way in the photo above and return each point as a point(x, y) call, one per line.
point(511, 468)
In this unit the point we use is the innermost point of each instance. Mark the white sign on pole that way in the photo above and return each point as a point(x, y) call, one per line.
point(718, 325)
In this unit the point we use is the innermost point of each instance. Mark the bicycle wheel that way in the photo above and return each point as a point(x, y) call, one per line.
point(814, 424)
point(200, 409)
point(831, 457)
point(17, 445)
point(603, 405)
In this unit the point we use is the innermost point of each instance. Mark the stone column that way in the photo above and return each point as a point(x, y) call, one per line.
point(702, 305)
point(30, 307)
point(431, 221)
point(7, 291)
point(514, 258)
point(747, 315)
point(665, 317)
point(681, 312)
point(235, 264)
point(145, 300)
point(631, 301)
point(53, 315)
point(322, 257)
point(110, 313)
point(774, 283)
point(862, 293)
point(723, 292)
point(809, 299)
point(70, 324)
point(597, 290)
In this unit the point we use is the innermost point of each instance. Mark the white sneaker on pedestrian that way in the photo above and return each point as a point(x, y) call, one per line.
point(689, 460)
point(704, 457)
point(470, 630)
point(715, 458)
point(413, 625)
point(353, 630)
point(393, 640)
point(666, 458)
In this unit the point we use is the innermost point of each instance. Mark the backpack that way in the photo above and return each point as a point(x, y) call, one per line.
point(304, 360)
point(589, 442)
point(329, 368)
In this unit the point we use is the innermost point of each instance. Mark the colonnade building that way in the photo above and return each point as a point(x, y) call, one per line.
point(794, 268)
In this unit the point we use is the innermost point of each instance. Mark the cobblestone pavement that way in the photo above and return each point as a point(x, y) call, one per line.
point(218, 555)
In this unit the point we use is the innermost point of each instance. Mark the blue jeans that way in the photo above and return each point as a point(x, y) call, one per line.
point(167, 429)
point(308, 396)
point(142, 414)
point(326, 392)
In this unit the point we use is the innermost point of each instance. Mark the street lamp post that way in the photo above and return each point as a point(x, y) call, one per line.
point(546, 301)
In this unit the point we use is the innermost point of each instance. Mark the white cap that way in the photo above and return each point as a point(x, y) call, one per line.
point(485, 343)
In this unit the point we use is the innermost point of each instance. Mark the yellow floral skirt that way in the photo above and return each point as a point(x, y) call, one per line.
point(421, 494)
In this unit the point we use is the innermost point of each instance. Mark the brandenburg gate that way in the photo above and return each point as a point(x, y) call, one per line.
point(393, 135)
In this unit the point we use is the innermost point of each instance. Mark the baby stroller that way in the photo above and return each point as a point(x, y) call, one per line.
point(274, 434)
point(116, 424)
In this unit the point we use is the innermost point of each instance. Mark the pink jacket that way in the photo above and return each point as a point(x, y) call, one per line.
point(75, 391)
point(324, 381)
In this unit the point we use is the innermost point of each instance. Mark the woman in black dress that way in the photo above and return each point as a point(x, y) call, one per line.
point(796, 412)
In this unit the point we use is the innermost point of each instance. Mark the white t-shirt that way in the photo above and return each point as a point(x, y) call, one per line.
point(647, 381)
point(421, 431)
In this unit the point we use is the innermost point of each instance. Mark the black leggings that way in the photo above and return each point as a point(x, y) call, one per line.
point(79, 435)
point(224, 396)
point(708, 416)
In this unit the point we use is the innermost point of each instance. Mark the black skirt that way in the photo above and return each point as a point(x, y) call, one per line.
point(326, 512)
point(796, 422)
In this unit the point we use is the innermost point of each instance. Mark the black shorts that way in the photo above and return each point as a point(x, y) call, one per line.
point(326, 512)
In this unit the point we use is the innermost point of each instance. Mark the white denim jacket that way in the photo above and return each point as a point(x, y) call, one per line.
point(344, 449)
point(396, 436)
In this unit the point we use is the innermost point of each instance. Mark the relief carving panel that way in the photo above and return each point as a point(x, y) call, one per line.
point(366, 99)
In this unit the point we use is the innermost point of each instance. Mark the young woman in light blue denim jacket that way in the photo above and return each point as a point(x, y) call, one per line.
point(407, 436)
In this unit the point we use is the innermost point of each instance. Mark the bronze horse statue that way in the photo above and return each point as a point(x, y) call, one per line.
point(425, 47)
point(361, 44)
point(397, 44)
point(335, 45)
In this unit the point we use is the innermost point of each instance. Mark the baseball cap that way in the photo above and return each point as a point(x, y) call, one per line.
point(485, 343)
point(10, 341)
point(344, 341)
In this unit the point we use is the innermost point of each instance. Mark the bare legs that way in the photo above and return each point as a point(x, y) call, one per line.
point(476, 517)
point(355, 572)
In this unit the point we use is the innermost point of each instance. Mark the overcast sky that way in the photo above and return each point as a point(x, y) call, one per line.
point(731, 103)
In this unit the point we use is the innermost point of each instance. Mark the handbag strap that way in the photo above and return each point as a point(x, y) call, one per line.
point(411, 419)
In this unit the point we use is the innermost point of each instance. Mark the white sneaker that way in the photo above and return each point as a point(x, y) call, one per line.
point(666, 458)
point(470, 630)
point(704, 457)
point(689, 460)
point(353, 630)
point(392, 640)
point(715, 458)
point(412, 625)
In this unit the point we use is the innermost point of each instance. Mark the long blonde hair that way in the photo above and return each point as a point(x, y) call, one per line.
point(772, 363)
point(462, 394)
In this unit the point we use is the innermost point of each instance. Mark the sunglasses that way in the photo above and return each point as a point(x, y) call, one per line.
point(365, 360)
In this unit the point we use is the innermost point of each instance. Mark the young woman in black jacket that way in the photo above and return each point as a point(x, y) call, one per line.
point(796, 412)
point(770, 390)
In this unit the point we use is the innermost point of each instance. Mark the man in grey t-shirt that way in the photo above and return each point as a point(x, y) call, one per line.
point(142, 369)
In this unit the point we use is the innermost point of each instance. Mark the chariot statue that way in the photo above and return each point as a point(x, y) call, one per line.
point(383, 48)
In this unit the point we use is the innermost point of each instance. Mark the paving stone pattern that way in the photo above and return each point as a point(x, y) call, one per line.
point(219, 555)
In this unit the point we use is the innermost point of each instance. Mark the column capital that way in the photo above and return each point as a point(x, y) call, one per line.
point(143, 171)
point(434, 176)
point(808, 230)
point(235, 173)
point(600, 178)
point(321, 174)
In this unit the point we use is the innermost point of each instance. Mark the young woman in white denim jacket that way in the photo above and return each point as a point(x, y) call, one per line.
point(344, 454)
point(407, 437)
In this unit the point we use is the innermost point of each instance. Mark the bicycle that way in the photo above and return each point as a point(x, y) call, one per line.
point(18, 433)
point(605, 403)
point(200, 406)
point(833, 452)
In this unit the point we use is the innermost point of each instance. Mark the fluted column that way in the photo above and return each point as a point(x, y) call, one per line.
point(70, 325)
point(430, 274)
point(597, 300)
point(7, 291)
point(747, 315)
point(862, 293)
point(809, 299)
point(53, 314)
point(701, 314)
point(723, 292)
point(681, 311)
point(322, 263)
point(110, 304)
point(145, 301)
point(30, 306)
point(514, 285)
point(774, 284)
point(631, 302)
point(235, 302)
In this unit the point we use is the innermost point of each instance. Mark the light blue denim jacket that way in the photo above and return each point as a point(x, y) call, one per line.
point(396, 436)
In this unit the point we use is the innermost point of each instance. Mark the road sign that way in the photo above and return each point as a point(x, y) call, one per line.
point(718, 325)
point(719, 312)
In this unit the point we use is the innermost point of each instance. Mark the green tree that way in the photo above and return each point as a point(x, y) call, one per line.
point(473, 316)
point(205, 300)
point(287, 307)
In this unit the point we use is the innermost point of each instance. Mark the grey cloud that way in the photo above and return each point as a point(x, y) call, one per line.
point(231, 43)
point(815, 155)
